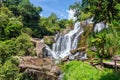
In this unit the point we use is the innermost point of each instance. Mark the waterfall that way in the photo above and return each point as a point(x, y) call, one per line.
point(100, 26)
point(65, 43)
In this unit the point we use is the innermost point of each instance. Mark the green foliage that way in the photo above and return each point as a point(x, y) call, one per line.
point(49, 40)
point(106, 42)
point(12, 5)
point(19, 20)
point(102, 10)
point(25, 76)
point(91, 54)
point(85, 15)
point(109, 75)
point(8, 70)
point(7, 49)
point(51, 25)
point(6, 11)
point(20, 47)
point(80, 71)
point(8, 63)
point(76, 70)
point(9, 25)
point(68, 23)
point(52, 18)
point(28, 11)
point(24, 46)
point(26, 31)
point(30, 16)
point(13, 27)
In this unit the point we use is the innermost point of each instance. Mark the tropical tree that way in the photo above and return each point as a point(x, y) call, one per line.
point(10, 26)
point(30, 16)
point(102, 10)
point(108, 12)
point(12, 5)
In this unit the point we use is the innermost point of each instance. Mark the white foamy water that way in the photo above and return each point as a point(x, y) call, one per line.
point(67, 42)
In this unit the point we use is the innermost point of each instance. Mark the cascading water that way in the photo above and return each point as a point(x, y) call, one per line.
point(100, 26)
point(65, 43)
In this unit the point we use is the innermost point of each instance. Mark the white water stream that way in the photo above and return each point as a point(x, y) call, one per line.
point(67, 42)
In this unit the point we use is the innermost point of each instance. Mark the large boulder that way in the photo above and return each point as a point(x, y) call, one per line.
point(43, 68)
point(39, 47)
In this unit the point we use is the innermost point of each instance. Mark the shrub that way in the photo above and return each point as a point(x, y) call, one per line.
point(7, 49)
point(16, 47)
point(8, 71)
point(80, 71)
point(24, 46)
point(77, 70)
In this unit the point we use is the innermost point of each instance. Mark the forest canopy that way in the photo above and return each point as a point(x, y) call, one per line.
point(20, 21)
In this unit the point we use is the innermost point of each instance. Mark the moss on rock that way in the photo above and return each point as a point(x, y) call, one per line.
point(49, 40)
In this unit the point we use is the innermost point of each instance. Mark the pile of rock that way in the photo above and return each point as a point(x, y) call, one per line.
point(42, 68)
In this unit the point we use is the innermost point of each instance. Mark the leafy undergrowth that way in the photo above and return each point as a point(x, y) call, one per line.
point(76, 70)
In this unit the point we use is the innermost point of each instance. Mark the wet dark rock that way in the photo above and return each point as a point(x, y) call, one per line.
point(65, 59)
